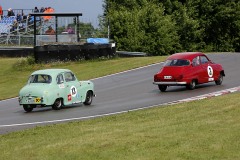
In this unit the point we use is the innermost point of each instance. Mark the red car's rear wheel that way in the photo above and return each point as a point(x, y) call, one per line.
point(162, 88)
point(192, 85)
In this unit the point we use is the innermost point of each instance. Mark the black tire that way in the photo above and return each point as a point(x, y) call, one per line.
point(89, 98)
point(192, 85)
point(162, 88)
point(220, 80)
point(57, 104)
point(28, 107)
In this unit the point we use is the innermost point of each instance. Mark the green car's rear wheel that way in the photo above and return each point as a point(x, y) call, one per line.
point(28, 107)
point(57, 104)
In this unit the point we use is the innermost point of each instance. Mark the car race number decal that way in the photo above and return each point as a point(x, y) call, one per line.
point(73, 91)
point(210, 73)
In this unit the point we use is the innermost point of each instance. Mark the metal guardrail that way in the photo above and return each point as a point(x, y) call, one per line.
point(16, 40)
point(130, 54)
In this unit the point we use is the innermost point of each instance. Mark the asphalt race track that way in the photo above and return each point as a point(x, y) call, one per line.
point(118, 93)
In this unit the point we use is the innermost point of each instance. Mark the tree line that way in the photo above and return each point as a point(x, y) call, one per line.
point(161, 27)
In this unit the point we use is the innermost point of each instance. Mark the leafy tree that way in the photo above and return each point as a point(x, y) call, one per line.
point(219, 19)
point(165, 26)
point(160, 36)
point(143, 28)
point(87, 30)
point(189, 30)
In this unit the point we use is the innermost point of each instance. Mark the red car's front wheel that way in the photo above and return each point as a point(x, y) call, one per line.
point(220, 79)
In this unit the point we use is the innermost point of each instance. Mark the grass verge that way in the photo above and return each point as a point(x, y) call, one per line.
point(15, 71)
point(205, 129)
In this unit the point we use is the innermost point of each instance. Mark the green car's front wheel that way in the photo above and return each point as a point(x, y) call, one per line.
point(57, 104)
point(28, 107)
point(89, 98)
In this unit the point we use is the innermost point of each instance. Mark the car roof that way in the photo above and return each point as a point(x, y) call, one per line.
point(186, 55)
point(51, 71)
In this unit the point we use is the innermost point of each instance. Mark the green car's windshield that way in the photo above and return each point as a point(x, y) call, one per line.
point(40, 78)
point(176, 62)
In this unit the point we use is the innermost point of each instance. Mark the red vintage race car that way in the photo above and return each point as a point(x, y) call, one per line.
point(188, 69)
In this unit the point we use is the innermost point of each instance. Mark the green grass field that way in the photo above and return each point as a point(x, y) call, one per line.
point(204, 129)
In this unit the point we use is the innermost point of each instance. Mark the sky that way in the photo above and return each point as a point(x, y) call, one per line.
point(89, 8)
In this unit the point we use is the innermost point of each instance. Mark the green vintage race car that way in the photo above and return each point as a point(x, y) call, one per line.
point(56, 88)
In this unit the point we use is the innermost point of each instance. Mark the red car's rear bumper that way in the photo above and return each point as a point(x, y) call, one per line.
point(170, 83)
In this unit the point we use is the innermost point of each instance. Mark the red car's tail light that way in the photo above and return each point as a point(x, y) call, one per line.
point(156, 78)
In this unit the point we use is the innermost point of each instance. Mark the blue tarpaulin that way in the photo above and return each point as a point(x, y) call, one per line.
point(98, 40)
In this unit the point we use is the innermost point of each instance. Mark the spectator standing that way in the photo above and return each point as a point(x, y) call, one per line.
point(24, 17)
point(23, 24)
point(42, 9)
point(1, 12)
point(50, 31)
point(10, 12)
point(19, 17)
point(70, 30)
point(48, 10)
point(30, 19)
point(15, 25)
point(36, 10)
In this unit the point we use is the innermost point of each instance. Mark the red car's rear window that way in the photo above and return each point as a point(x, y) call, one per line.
point(176, 62)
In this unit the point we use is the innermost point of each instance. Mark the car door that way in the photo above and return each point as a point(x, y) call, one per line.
point(72, 90)
point(61, 86)
point(197, 69)
point(207, 69)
